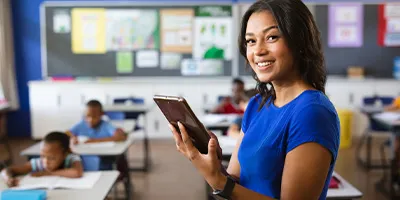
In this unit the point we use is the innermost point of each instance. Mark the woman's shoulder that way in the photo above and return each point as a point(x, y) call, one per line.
point(314, 100)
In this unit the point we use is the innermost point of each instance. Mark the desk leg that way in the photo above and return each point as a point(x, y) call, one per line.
point(146, 149)
point(386, 185)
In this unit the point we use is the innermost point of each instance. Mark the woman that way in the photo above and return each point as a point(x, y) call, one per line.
point(290, 132)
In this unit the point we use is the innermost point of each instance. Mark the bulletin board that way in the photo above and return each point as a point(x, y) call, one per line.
point(137, 39)
point(377, 60)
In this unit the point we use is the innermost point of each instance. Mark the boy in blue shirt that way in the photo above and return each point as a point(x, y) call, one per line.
point(97, 130)
point(94, 127)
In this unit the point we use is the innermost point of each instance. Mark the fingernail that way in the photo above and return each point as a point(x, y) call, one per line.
point(170, 127)
point(179, 124)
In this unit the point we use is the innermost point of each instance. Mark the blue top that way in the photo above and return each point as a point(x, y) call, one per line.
point(272, 132)
point(104, 130)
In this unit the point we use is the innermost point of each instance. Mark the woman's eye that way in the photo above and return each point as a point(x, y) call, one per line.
point(272, 38)
point(250, 41)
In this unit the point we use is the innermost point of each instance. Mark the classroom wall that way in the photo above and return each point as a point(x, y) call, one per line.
point(26, 23)
point(25, 14)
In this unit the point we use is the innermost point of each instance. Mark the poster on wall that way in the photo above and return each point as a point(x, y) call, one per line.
point(196, 67)
point(176, 30)
point(147, 59)
point(131, 29)
point(213, 37)
point(389, 25)
point(345, 27)
point(88, 31)
point(124, 62)
point(171, 60)
point(61, 21)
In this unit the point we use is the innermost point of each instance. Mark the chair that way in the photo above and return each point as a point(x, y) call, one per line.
point(367, 135)
point(132, 115)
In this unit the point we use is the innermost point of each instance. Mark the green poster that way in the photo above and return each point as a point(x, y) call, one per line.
point(124, 62)
point(213, 11)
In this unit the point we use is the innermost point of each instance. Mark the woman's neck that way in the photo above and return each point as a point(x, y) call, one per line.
point(288, 90)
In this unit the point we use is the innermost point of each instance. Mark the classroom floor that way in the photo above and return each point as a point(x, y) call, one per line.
point(172, 176)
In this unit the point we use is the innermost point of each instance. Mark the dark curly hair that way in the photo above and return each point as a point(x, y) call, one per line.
point(302, 36)
point(58, 137)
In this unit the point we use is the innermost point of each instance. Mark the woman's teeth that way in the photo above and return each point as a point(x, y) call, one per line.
point(263, 64)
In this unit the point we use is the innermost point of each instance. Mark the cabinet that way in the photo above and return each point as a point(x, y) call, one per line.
point(59, 105)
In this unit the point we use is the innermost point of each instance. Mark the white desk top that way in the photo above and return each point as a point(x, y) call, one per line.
point(389, 118)
point(372, 109)
point(118, 149)
point(218, 120)
point(345, 190)
point(127, 108)
point(98, 192)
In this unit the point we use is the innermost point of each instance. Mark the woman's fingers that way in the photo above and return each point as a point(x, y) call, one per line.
point(193, 153)
point(177, 138)
point(219, 149)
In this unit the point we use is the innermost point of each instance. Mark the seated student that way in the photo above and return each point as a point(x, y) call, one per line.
point(234, 128)
point(395, 106)
point(230, 105)
point(97, 130)
point(94, 127)
point(55, 159)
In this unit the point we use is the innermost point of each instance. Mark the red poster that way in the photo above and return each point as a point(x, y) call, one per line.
point(389, 25)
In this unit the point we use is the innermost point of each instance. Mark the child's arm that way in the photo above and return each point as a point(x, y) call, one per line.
point(76, 171)
point(119, 135)
point(9, 173)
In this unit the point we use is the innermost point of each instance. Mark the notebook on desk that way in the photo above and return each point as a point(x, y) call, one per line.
point(87, 181)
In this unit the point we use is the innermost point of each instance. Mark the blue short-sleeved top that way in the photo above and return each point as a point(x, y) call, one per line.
point(103, 130)
point(272, 132)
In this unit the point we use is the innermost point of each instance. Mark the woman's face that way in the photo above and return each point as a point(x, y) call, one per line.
point(267, 52)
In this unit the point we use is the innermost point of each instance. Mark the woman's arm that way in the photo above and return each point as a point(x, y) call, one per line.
point(306, 169)
point(76, 171)
point(234, 166)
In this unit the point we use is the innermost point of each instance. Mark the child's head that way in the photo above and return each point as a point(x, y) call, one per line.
point(237, 89)
point(94, 113)
point(54, 150)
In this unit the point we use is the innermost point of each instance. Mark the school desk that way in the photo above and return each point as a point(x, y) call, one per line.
point(98, 192)
point(131, 112)
point(120, 148)
point(391, 121)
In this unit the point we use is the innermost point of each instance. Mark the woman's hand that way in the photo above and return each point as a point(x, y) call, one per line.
point(207, 164)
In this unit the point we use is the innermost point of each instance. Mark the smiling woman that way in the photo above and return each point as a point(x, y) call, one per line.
point(289, 141)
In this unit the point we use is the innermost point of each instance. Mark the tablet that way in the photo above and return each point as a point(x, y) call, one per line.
point(177, 109)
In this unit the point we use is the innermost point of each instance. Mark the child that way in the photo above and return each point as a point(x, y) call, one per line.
point(93, 127)
point(55, 159)
point(230, 105)
point(235, 127)
point(97, 130)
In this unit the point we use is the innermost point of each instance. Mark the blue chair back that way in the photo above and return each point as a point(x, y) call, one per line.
point(221, 97)
point(385, 100)
point(126, 115)
point(371, 100)
point(134, 100)
point(91, 163)
point(115, 115)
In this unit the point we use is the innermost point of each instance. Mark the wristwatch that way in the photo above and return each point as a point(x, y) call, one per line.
point(226, 193)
